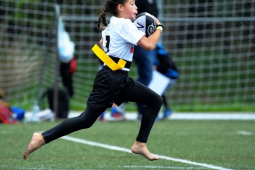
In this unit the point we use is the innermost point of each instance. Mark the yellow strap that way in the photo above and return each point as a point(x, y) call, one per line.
point(107, 60)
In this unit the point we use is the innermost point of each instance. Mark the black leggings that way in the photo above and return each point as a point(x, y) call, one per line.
point(141, 94)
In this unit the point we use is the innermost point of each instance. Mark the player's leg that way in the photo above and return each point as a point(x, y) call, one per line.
point(153, 102)
point(83, 121)
point(144, 61)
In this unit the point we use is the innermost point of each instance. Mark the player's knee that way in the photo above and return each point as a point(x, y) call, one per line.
point(87, 125)
point(84, 121)
point(157, 102)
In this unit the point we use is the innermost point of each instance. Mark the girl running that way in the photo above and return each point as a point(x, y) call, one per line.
point(118, 40)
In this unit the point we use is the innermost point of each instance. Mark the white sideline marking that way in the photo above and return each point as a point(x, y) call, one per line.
point(188, 116)
point(180, 116)
point(158, 167)
point(111, 147)
point(243, 133)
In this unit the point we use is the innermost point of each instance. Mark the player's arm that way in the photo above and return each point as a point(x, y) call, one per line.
point(150, 42)
point(101, 43)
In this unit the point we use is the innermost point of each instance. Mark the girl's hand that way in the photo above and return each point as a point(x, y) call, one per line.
point(156, 20)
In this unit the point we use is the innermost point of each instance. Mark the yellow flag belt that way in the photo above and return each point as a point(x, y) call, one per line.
point(107, 60)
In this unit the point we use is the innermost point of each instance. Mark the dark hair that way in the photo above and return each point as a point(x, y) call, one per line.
point(110, 7)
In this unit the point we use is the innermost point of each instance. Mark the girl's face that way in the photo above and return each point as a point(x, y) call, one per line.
point(129, 10)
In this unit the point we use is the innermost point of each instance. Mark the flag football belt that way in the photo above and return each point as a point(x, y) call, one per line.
point(116, 59)
point(113, 63)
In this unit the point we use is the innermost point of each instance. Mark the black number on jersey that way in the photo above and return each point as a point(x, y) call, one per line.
point(107, 42)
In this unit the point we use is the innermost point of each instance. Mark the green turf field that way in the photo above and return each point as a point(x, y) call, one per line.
point(180, 144)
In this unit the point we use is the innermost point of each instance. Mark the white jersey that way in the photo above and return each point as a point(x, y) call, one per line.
point(119, 38)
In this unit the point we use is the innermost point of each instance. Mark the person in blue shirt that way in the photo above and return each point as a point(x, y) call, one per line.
point(166, 66)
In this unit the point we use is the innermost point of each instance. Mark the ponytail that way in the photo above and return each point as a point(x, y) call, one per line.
point(102, 19)
point(110, 7)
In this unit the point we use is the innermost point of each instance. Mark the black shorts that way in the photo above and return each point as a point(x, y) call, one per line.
point(110, 87)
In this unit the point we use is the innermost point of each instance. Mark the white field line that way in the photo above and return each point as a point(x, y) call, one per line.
point(36, 168)
point(129, 151)
point(179, 116)
point(244, 133)
point(188, 116)
point(158, 167)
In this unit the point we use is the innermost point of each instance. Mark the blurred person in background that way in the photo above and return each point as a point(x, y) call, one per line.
point(166, 66)
point(67, 70)
point(66, 49)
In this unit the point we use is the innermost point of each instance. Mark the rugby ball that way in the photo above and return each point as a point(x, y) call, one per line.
point(146, 23)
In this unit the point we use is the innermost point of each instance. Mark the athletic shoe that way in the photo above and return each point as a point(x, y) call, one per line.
point(167, 113)
point(102, 119)
point(117, 116)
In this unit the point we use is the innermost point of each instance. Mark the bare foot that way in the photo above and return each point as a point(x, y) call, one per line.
point(36, 142)
point(141, 148)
